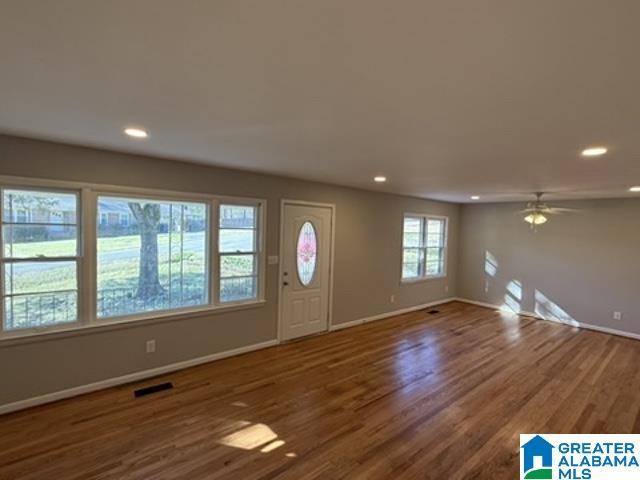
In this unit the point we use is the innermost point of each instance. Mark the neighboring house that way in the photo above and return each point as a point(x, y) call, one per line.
point(47, 224)
point(115, 214)
point(116, 218)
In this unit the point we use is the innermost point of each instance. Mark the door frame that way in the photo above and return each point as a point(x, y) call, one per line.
point(331, 206)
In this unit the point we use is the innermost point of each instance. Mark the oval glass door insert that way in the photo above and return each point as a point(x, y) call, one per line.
point(307, 253)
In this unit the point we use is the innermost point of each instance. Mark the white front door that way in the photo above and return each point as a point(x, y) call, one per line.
point(306, 269)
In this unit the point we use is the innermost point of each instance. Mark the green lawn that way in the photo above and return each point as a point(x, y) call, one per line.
point(118, 263)
point(105, 245)
point(183, 274)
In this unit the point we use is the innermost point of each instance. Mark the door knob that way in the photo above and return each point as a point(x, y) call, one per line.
point(285, 283)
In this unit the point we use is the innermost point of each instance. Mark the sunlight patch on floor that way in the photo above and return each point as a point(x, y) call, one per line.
point(272, 446)
point(250, 437)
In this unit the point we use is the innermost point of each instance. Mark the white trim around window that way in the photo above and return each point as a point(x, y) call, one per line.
point(420, 243)
point(87, 251)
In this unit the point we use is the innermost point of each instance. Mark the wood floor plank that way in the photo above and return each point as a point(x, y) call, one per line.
point(417, 396)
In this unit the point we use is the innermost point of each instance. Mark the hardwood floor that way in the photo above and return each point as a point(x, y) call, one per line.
point(417, 396)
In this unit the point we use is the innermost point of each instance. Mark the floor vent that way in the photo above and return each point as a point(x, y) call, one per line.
point(141, 392)
point(433, 312)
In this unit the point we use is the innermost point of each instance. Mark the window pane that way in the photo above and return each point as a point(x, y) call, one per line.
point(434, 255)
point(237, 216)
point(151, 255)
point(237, 265)
point(236, 289)
point(237, 240)
point(39, 277)
point(29, 241)
point(434, 268)
point(412, 232)
point(410, 270)
point(435, 261)
point(39, 310)
point(40, 294)
point(434, 240)
point(411, 261)
point(26, 206)
point(435, 226)
point(306, 253)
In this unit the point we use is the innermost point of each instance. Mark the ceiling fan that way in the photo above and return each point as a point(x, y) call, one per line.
point(537, 212)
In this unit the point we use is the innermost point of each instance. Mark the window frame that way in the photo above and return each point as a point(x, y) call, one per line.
point(258, 253)
point(87, 221)
point(422, 273)
point(158, 198)
point(77, 258)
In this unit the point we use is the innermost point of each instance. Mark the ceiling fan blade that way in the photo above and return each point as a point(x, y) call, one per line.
point(562, 209)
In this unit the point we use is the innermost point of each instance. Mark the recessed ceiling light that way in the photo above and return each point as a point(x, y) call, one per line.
point(379, 179)
point(594, 151)
point(136, 132)
point(475, 197)
point(635, 189)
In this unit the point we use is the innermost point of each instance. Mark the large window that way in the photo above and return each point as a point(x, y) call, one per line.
point(152, 255)
point(424, 244)
point(40, 251)
point(238, 245)
point(72, 257)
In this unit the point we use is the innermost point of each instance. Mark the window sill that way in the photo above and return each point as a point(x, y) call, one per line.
point(409, 281)
point(75, 329)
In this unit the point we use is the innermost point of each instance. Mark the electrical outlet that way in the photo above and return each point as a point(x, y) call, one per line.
point(617, 315)
point(446, 288)
point(486, 286)
point(392, 299)
point(151, 346)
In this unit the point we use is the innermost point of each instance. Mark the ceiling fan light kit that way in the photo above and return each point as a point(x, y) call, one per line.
point(535, 219)
point(537, 212)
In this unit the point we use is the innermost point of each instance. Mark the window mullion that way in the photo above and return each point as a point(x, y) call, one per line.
point(260, 261)
point(214, 263)
point(2, 263)
point(425, 251)
point(87, 288)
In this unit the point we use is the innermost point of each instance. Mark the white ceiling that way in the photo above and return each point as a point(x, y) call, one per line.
point(447, 98)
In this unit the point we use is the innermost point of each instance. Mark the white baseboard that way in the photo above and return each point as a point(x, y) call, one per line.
point(381, 316)
point(132, 377)
point(587, 326)
point(142, 375)
point(154, 372)
point(340, 326)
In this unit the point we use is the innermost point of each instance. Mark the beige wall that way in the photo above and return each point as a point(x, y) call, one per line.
point(367, 266)
point(579, 266)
